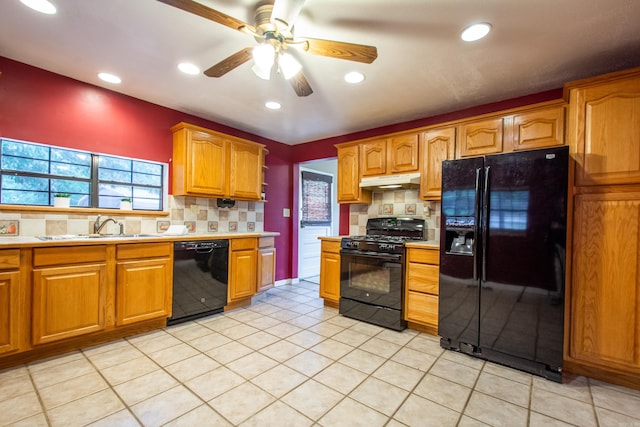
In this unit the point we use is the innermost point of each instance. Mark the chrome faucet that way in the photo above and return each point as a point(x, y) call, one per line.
point(97, 226)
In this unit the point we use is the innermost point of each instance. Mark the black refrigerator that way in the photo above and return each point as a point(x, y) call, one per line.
point(502, 258)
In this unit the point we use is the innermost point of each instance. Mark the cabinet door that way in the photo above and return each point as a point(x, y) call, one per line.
point(481, 137)
point(266, 268)
point(330, 276)
point(349, 190)
point(245, 180)
point(403, 153)
point(605, 288)
point(206, 164)
point(9, 311)
point(538, 129)
point(143, 290)
point(439, 145)
point(68, 301)
point(373, 157)
point(605, 130)
point(242, 274)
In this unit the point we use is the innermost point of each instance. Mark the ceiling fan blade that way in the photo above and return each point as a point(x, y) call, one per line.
point(300, 85)
point(208, 13)
point(340, 50)
point(229, 63)
point(287, 10)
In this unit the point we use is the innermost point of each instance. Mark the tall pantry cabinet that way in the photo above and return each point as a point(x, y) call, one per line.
point(603, 337)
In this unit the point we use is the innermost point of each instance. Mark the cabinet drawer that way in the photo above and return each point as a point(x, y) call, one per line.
point(266, 242)
point(422, 308)
point(426, 256)
point(143, 250)
point(9, 259)
point(69, 255)
point(423, 278)
point(333, 247)
point(241, 244)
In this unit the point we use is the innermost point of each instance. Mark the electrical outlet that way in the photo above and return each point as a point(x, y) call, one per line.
point(286, 212)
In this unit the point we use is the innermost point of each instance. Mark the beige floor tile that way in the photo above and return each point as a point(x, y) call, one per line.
point(264, 309)
point(129, 370)
point(145, 386)
point(157, 343)
point(12, 386)
point(282, 350)
point(308, 362)
point(37, 420)
point(400, 338)
point(59, 360)
point(598, 383)
point(188, 331)
point(414, 359)
point(324, 313)
point(463, 359)
point(166, 406)
point(229, 352)
point(349, 413)
point(122, 418)
point(301, 308)
point(313, 399)
point(426, 344)
point(60, 373)
point(366, 328)
point(562, 408)
point(263, 322)
point(394, 423)
point(251, 365)
point(380, 347)
point(399, 375)
point(209, 342)
point(362, 361)
point(147, 336)
point(539, 420)
point(509, 373)
point(192, 367)
point(219, 322)
point(75, 388)
point(238, 331)
point(16, 371)
point(455, 372)
point(325, 329)
point(340, 377)
point(101, 348)
point(242, 315)
point(278, 414)
point(86, 410)
point(379, 395)
point(351, 337)
point(332, 349)
point(258, 340)
point(607, 418)
point(170, 355)
point(503, 388)
point(214, 383)
point(114, 356)
point(284, 315)
point(304, 321)
point(241, 403)
point(466, 421)
point(495, 412)
point(202, 416)
point(342, 321)
point(279, 380)
point(617, 401)
point(577, 388)
point(19, 407)
point(417, 411)
point(283, 330)
point(443, 392)
point(306, 339)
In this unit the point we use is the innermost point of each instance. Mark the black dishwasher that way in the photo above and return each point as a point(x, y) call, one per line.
point(200, 279)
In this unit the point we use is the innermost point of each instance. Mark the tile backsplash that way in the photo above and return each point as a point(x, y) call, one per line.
point(201, 215)
point(397, 203)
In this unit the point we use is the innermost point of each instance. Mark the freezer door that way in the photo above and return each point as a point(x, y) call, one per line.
point(522, 296)
point(459, 252)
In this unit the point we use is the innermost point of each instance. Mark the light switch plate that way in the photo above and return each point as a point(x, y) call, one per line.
point(286, 212)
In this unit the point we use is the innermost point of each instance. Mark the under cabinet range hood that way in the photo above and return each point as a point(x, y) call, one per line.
point(389, 182)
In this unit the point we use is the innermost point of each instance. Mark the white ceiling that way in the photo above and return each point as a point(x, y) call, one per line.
point(423, 68)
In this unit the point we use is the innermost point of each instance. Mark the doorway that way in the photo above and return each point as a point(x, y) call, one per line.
point(319, 214)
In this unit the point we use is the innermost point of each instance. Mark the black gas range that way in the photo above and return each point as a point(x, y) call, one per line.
point(372, 271)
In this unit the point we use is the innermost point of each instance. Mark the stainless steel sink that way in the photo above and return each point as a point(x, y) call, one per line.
point(93, 236)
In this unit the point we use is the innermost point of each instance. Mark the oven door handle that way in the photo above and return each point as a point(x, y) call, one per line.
point(373, 255)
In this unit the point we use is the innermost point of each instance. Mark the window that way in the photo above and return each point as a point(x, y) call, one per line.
point(316, 199)
point(31, 174)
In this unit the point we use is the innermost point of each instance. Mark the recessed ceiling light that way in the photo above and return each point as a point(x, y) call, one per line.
point(475, 32)
point(42, 6)
point(273, 105)
point(354, 77)
point(109, 78)
point(188, 68)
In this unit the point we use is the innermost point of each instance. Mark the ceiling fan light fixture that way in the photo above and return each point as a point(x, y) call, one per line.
point(189, 68)
point(42, 6)
point(110, 78)
point(475, 32)
point(354, 77)
point(289, 65)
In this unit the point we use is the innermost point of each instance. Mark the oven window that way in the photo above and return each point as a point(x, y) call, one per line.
point(370, 277)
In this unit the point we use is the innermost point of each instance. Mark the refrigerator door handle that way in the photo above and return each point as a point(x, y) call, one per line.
point(485, 221)
point(476, 222)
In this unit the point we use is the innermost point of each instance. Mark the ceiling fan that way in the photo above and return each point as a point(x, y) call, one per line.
point(274, 32)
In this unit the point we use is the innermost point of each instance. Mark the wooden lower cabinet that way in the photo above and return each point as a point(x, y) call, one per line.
point(330, 272)
point(266, 264)
point(605, 287)
point(421, 284)
point(242, 269)
point(144, 279)
point(10, 307)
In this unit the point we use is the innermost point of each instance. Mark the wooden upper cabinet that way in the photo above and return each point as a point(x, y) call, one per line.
point(481, 137)
point(438, 145)
point(538, 129)
point(373, 157)
point(604, 129)
point(403, 153)
point(246, 165)
point(349, 190)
